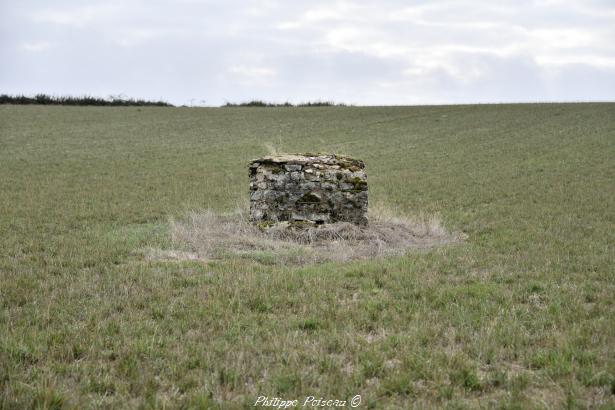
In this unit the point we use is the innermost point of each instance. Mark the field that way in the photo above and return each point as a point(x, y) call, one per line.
point(521, 314)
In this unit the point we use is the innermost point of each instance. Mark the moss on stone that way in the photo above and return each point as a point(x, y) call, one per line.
point(349, 166)
point(309, 198)
point(264, 225)
point(358, 184)
point(301, 224)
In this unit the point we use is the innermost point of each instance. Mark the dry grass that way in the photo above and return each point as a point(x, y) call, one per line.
point(208, 235)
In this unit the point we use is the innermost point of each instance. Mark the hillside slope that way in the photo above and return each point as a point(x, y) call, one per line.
point(521, 314)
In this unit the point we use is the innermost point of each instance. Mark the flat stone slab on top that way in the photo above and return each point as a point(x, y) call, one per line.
point(310, 188)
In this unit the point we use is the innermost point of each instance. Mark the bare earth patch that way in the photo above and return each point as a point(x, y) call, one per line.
point(206, 235)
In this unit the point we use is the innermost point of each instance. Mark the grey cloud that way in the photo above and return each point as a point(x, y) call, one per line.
point(388, 52)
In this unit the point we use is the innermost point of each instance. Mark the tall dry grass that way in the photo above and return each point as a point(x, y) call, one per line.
point(209, 235)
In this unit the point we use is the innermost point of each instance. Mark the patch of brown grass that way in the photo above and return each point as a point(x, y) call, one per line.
point(207, 235)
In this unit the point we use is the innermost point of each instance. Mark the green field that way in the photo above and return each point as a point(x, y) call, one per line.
point(519, 315)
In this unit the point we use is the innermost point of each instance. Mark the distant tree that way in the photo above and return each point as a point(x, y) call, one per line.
point(44, 99)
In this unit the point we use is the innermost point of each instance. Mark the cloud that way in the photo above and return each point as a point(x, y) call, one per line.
point(36, 46)
point(388, 52)
point(248, 75)
point(76, 16)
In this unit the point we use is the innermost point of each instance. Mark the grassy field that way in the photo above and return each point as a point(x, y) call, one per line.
point(519, 315)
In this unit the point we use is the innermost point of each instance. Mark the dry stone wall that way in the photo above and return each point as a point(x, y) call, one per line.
point(313, 189)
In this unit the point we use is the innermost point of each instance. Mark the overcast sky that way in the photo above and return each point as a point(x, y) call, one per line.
point(360, 52)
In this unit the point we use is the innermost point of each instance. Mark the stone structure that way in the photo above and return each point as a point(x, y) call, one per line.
point(308, 188)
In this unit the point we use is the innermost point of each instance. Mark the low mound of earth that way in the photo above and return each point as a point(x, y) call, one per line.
point(206, 235)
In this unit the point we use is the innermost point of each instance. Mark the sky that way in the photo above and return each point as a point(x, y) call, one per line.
point(386, 52)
